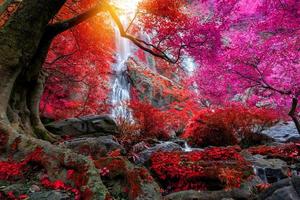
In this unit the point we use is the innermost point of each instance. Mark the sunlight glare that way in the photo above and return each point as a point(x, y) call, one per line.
point(127, 5)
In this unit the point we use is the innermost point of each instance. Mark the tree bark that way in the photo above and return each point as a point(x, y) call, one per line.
point(293, 113)
point(33, 80)
point(19, 40)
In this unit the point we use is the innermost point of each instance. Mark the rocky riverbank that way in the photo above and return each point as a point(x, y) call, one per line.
point(157, 170)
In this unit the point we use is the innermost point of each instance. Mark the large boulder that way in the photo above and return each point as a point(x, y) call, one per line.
point(209, 195)
point(287, 189)
point(94, 125)
point(283, 132)
point(270, 170)
point(145, 155)
point(94, 146)
point(126, 181)
point(275, 161)
point(152, 86)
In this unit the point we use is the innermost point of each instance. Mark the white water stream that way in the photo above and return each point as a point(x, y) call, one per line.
point(121, 85)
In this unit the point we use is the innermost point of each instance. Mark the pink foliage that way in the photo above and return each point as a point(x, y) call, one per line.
point(258, 61)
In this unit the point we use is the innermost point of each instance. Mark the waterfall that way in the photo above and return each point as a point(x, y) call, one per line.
point(121, 84)
point(187, 148)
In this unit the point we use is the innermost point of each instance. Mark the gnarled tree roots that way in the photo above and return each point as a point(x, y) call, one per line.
point(56, 161)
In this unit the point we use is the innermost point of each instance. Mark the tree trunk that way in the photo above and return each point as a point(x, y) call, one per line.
point(34, 101)
point(19, 40)
point(293, 113)
point(31, 81)
point(24, 44)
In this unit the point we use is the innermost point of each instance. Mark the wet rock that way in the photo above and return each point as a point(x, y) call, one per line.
point(96, 147)
point(50, 195)
point(96, 125)
point(270, 170)
point(211, 195)
point(293, 139)
point(127, 181)
point(145, 155)
point(180, 142)
point(287, 189)
point(283, 132)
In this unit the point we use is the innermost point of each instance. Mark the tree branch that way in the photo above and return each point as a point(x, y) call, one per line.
point(292, 113)
point(62, 26)
point(141, 44)
point(56, 28)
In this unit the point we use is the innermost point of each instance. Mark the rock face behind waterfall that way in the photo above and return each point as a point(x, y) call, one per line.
point(152, 86)
point(97, 125)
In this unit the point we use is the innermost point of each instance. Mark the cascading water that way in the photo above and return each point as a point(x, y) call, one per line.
point(187, 148)
point(121, 85)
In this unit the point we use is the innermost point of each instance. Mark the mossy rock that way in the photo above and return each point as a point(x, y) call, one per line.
point(127, 181)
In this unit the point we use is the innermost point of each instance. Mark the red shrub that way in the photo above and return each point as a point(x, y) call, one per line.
point(13, 171)
point(288, 152)
point(11, 196)
point(228, 126)
point(214, 168)
point(129, 132)
point(131, 178)
point(10, 170)
point(60, 185)
point(151, 120)
point(180, 113)
point(154, 123)
point(161, 122)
